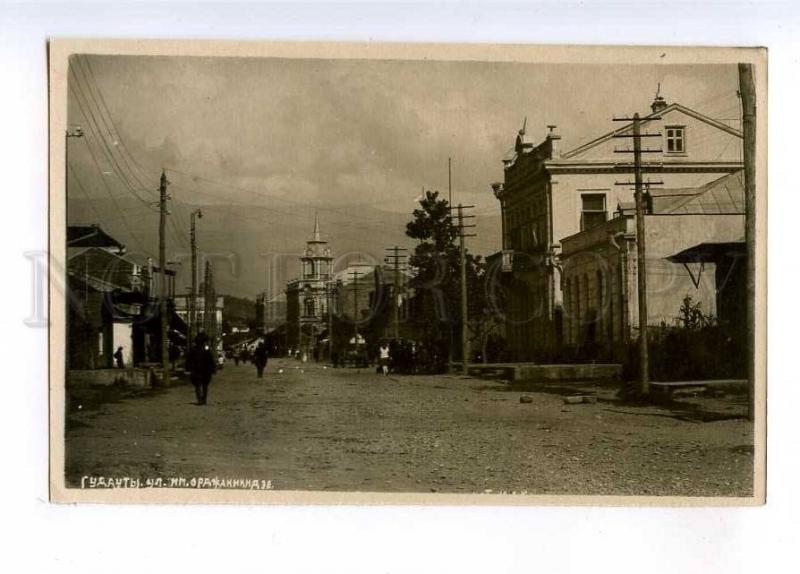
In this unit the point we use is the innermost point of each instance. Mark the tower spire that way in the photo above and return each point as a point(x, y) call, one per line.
point(316, 227)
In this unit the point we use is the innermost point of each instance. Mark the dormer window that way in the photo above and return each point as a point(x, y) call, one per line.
point(676, 139)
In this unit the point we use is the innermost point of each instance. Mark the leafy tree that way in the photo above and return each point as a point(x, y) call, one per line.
point(437, 283)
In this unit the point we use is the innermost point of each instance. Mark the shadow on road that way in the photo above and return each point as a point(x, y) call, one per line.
point(696, 407)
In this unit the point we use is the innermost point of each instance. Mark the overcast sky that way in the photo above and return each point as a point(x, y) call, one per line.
point(343, 132)
point(268, 142)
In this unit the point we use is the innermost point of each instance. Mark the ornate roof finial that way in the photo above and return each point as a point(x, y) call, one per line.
point(659, 103)
point(524, 125)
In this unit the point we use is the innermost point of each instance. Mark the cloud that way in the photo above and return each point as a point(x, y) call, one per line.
point(283, 134)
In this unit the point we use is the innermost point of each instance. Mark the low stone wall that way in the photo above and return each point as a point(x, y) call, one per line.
point(515, 372)
point(108, 377)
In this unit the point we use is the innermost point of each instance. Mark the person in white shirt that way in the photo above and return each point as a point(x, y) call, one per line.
point(384, 359)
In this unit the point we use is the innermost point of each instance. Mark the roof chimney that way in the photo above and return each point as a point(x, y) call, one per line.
point(553, 138)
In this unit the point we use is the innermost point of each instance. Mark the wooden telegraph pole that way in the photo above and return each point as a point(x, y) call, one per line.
point(329, 292)
point(747, 89)
point(396, 258)
point(193, 296)
point(162, 263)
point(641, 248)
point(355, 275)
point(641, 260)
point(465, 350)
point(449, 181)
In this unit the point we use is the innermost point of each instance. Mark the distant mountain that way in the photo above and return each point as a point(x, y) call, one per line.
point(255, 248)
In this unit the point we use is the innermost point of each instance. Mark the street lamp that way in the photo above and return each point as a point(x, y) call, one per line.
point(76, 133)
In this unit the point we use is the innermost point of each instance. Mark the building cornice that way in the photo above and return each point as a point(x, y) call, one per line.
point(609, 167)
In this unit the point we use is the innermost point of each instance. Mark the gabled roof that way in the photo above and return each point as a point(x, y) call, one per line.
point(101, 253)
point(90, 236)
point(646, 119)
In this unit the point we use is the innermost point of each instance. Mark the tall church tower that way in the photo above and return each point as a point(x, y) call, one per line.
point(308, 298)
point(317, 258)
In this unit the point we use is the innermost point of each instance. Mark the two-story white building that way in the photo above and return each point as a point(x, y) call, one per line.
point(549, 194)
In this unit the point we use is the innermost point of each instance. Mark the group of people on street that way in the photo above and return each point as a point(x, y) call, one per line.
point(201, 365)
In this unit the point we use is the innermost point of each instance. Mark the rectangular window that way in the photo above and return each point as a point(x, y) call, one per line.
point(593, 210)
point(676, 139)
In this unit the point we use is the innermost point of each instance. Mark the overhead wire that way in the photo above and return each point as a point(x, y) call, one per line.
point(125, 152)
point(93, 126)
point(100, 126)
point(340, 211)
point(114, 202)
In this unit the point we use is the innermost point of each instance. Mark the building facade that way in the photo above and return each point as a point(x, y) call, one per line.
point(208, 319)
point(106, 292)
point(548, 194)
point(309, 299)
point(600, 275)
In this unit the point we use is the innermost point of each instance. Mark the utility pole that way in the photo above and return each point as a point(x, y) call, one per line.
point(747, 89)
point(76, 133)
point(449, 181)
point(162, 263)
point(465, 347)
point(641, 262)
point(355, 275)
point(193, 297)
point(329, 291)
point(209, 304)
point(394, 257)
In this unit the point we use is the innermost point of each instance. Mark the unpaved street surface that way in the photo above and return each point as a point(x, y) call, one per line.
point(341, 429)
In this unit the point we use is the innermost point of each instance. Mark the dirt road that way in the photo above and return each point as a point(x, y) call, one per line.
point(320, 428)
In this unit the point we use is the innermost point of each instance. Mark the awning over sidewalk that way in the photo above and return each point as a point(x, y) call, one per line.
point(709, 252)
point(152, 314)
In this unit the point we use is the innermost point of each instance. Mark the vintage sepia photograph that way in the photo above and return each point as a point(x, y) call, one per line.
point(409, 273)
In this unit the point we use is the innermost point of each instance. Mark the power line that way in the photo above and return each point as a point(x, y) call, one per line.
point(339, 211)
point(92, 124)
point(116, 133)
point(85, 193)
point(116, 205)
point(95, 127)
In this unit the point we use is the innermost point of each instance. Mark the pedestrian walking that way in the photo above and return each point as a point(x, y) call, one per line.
point(201, 366)
point(260, 358)
point(119, 359)
point(384, 359)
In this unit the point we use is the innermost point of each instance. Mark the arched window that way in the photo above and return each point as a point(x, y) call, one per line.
point(565, 306)
point(601, 306)
point(610, 299)
point(587, 297)
point(309, 304)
